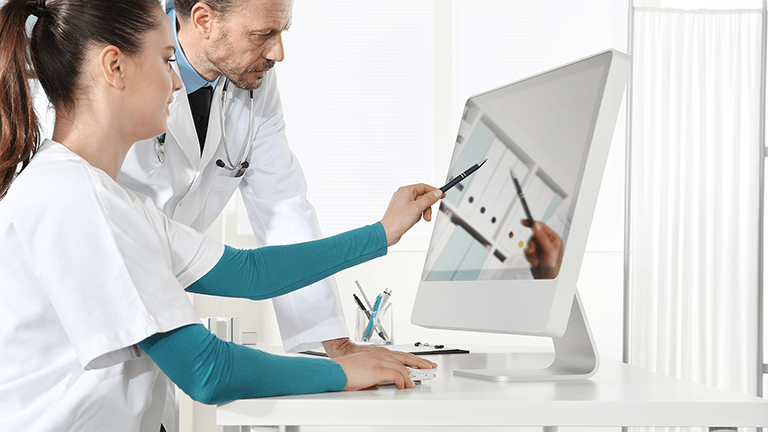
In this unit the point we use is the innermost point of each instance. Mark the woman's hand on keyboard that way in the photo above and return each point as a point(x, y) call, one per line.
point(369, 368)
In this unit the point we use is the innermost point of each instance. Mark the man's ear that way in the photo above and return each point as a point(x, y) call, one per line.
point(112, 63)
point(202, 17)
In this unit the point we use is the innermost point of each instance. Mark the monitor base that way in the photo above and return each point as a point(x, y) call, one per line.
point(575, 355)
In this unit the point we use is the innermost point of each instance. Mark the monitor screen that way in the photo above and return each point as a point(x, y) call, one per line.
point(546, 140)
point(528, 132)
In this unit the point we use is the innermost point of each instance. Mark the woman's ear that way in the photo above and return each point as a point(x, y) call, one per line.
point(112, 64)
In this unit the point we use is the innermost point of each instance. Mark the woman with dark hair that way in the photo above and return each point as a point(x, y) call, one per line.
point(94, 276)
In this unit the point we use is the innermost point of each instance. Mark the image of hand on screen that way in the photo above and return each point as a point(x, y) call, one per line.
point(544, 251)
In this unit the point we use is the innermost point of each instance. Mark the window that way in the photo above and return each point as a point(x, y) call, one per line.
point(373, 92)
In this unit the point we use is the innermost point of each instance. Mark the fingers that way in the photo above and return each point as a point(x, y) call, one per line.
point(430, 196)
point(411, 360)
point(394, 371)
point(425, 195)
point(547, 239)
point(427, 215)
point(405, 358)
point(544, 251)
point(404, 381)
point(420, 189)
point(408, 205)
point(398, 374)
point(377, 365)
point(546, 230)
point(369, 368)
point(530, 252)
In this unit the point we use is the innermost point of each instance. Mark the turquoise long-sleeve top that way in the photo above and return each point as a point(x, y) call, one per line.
point(213, 371)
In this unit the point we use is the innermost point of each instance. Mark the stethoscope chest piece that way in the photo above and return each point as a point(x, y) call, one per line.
point(160, 148)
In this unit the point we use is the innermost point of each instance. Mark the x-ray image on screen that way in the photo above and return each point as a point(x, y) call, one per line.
point(532, 131)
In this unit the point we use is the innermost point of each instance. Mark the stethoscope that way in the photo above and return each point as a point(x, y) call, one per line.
point(240, 165)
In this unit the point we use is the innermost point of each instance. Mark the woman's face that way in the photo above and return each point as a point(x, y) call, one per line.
point(154, 82)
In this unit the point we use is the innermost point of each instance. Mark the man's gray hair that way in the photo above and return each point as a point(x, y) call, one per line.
point(222, 7)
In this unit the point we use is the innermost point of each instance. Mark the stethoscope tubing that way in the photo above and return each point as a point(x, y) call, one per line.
point(240, 161)
point(241, 164)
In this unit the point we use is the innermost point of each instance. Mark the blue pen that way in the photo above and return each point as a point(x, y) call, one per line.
point(367, 334)
point(383, 296)
point(367, 313)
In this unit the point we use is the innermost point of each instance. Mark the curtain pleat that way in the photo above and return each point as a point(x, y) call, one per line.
point(694, 195)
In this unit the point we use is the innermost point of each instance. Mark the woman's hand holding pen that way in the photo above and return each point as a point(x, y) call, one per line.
point(377, 365)
point(408, 205)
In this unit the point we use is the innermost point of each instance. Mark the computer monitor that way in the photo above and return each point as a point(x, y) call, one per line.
point(549, 134)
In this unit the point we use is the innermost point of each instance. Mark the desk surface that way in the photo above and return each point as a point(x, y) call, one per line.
point(618, 395)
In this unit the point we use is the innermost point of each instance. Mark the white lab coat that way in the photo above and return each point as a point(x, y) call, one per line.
point(88, 269)
point(191, 189)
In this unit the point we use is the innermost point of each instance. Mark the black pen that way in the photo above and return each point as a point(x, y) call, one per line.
point(462, 176)
point(382, 334)
point(522, 199)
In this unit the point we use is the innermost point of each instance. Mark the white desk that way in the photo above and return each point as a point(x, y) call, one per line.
point(618, 395)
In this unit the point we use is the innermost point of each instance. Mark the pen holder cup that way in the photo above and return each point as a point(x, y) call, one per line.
point(382, 333)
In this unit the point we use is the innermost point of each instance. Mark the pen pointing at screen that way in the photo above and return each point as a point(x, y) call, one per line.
point(462, 176)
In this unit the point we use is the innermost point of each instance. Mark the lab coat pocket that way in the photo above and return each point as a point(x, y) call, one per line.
point(222, 189)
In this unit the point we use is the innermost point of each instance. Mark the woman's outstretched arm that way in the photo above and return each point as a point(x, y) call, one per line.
point(271, 271)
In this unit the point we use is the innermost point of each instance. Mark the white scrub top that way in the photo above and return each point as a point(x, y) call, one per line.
point(190, 188)
point(88, 270)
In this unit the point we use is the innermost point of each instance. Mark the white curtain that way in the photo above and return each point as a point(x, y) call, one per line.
point(694, 195)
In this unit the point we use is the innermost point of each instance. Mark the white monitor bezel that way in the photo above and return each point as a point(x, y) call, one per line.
point(503, 306)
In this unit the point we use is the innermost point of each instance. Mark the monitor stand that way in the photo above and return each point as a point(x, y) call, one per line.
point(575, 355)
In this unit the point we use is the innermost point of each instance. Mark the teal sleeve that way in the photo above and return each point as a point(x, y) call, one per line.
point(272, 271)
point(212, 371)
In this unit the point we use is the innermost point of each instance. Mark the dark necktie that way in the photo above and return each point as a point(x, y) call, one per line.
point(200, 103)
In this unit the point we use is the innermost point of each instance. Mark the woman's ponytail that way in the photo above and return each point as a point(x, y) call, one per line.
point(19, 132)
point(55, 56)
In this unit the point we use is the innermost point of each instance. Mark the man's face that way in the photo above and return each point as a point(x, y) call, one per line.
point(248, 42)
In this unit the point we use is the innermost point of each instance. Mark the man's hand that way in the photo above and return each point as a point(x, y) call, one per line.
point(342, 347)
point(339, 347)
